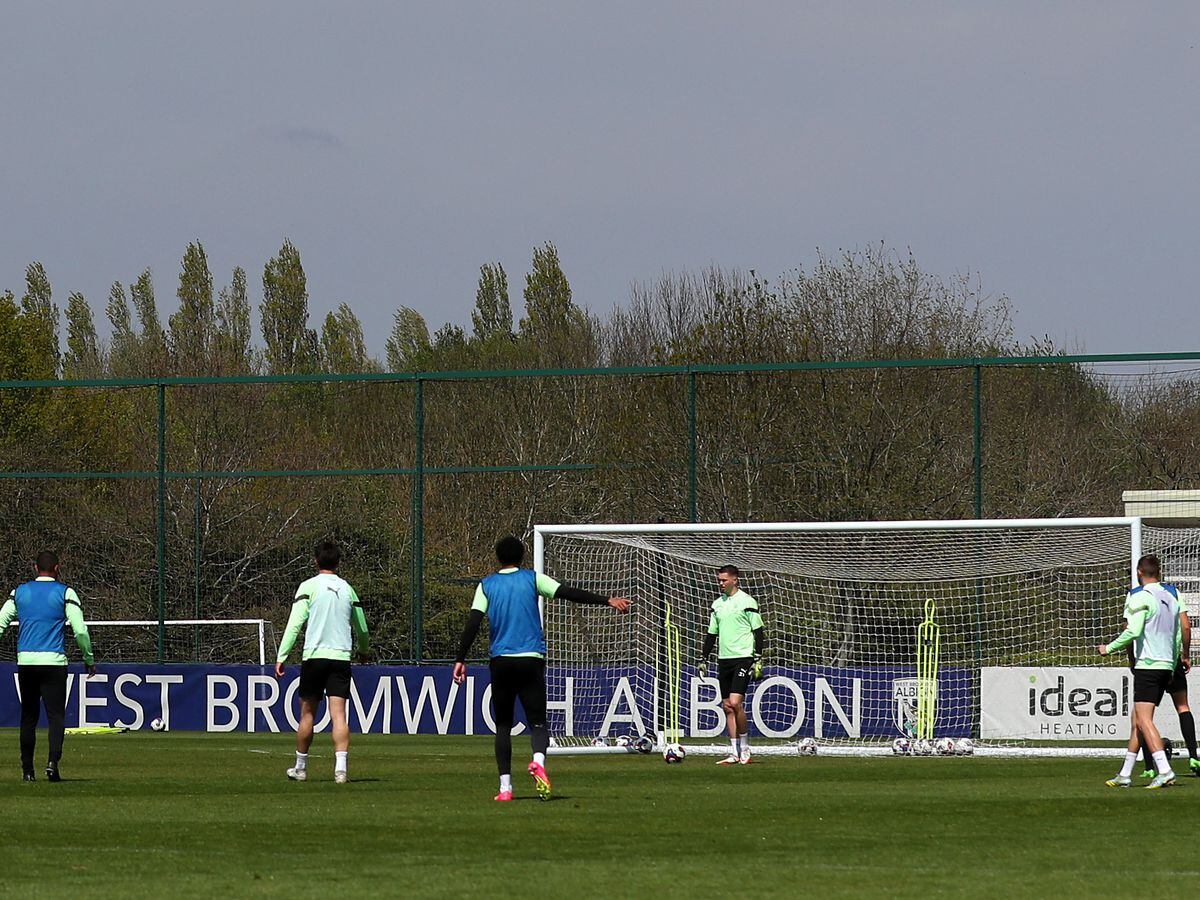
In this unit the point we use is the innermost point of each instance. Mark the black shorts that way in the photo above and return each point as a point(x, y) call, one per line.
point(734, 675)
point(1178, 681)
point(1149, 685)
point(319, 677)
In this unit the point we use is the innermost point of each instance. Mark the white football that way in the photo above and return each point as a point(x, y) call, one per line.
point(158, 725)
point(599, 742)
point(808, 747)
point(945, 747)
point(922, 748)
point(901, 746)
point(673, 753)
point(624, 740)
point(965, 747)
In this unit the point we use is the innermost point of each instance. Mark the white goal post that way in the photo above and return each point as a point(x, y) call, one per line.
point(1015, 598)
point(214, 641)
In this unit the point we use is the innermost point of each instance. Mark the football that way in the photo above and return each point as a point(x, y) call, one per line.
point(643, 744)
point(624, 740)
point(965, 747)
point(901, 746)
point(945, 747)
point(158, 725)
point(599, 742)
point(922, 748)
point(673, 753)
point(808, 747)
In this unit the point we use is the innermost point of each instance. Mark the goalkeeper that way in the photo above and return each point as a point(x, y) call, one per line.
point(1153, 617)
point(509, 599)
point(737, 626)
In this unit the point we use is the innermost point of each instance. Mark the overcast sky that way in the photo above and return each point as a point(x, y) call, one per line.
point(1052, 149)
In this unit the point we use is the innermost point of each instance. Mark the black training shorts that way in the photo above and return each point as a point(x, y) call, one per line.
point(1149, 685)
point(734, 675)
point(1178, 681)
point(319, 677)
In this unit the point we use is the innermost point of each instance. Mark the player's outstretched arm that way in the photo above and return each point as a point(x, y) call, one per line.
point(1137, 624)
point(578, 595)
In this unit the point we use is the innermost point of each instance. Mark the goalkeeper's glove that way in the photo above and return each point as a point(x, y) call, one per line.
point(756, 668)
point(702, 668)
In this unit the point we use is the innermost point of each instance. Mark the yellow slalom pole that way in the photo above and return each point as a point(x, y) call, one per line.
point(928, 649)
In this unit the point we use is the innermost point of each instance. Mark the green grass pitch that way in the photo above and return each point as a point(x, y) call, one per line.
point(205, 815)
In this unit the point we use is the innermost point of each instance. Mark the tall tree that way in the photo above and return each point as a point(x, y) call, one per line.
point(83, 359)
point(408, 342)
point(549, 309)
point(192, 326)
point(152, 345)
point(492, 315)
point(40, 318)
point(343, 348)
point(233, 325)
point(291, 344)
point(123, 358)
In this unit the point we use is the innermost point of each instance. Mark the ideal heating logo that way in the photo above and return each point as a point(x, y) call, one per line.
point(1081, 702)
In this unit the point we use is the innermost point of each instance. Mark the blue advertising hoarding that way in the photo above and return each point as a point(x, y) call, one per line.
point(790, 703)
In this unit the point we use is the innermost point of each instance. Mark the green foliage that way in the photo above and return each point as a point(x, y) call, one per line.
point(234, 356)
point(492, 317)
point(291, 346)
point(193, 326)
point(343, 348)
point(408, 345)
point(83, 359)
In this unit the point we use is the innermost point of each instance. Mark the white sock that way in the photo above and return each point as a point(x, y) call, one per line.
point(539, 758)
point(505, 783)
point(339, 764)
point(1161, 763)
point(744, 741)
point(736, 744)
point(301, 761)
point(1130, 761)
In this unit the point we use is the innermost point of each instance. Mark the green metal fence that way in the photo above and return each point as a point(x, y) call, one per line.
point(693, 442)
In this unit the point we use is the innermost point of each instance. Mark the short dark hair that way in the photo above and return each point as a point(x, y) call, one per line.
point(47, 561)
point(730, 570)
point(328, 554)
point(509, 551)
point(1150, 566)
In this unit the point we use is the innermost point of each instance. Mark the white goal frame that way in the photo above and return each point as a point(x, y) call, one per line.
point(148, 623)
point(1133, 523)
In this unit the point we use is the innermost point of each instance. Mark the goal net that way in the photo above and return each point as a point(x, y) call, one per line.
point(200, 641)
point(841, 603)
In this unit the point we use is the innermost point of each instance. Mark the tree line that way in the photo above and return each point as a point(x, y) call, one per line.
point(500, 455)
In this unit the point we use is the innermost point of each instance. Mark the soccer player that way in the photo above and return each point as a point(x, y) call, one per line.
point(509, 599)
point(1179, 692)
point(1152, 616)
point(44, 607)
point(737, 626)
point(336, 625)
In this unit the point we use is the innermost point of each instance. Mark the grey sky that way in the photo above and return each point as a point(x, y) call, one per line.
point(1051, 148)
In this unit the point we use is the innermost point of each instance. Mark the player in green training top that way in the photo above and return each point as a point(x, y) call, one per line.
point(336, 625)
point(44, 607)
point(1152, 616)
point(737, 626)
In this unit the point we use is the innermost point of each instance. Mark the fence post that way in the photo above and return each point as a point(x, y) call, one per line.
point(197, 562)
point(692, 450)
point(979, 442)
point(418, 526)
point(161, 539)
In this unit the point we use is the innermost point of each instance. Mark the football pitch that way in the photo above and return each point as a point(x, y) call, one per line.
point(192, 815)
